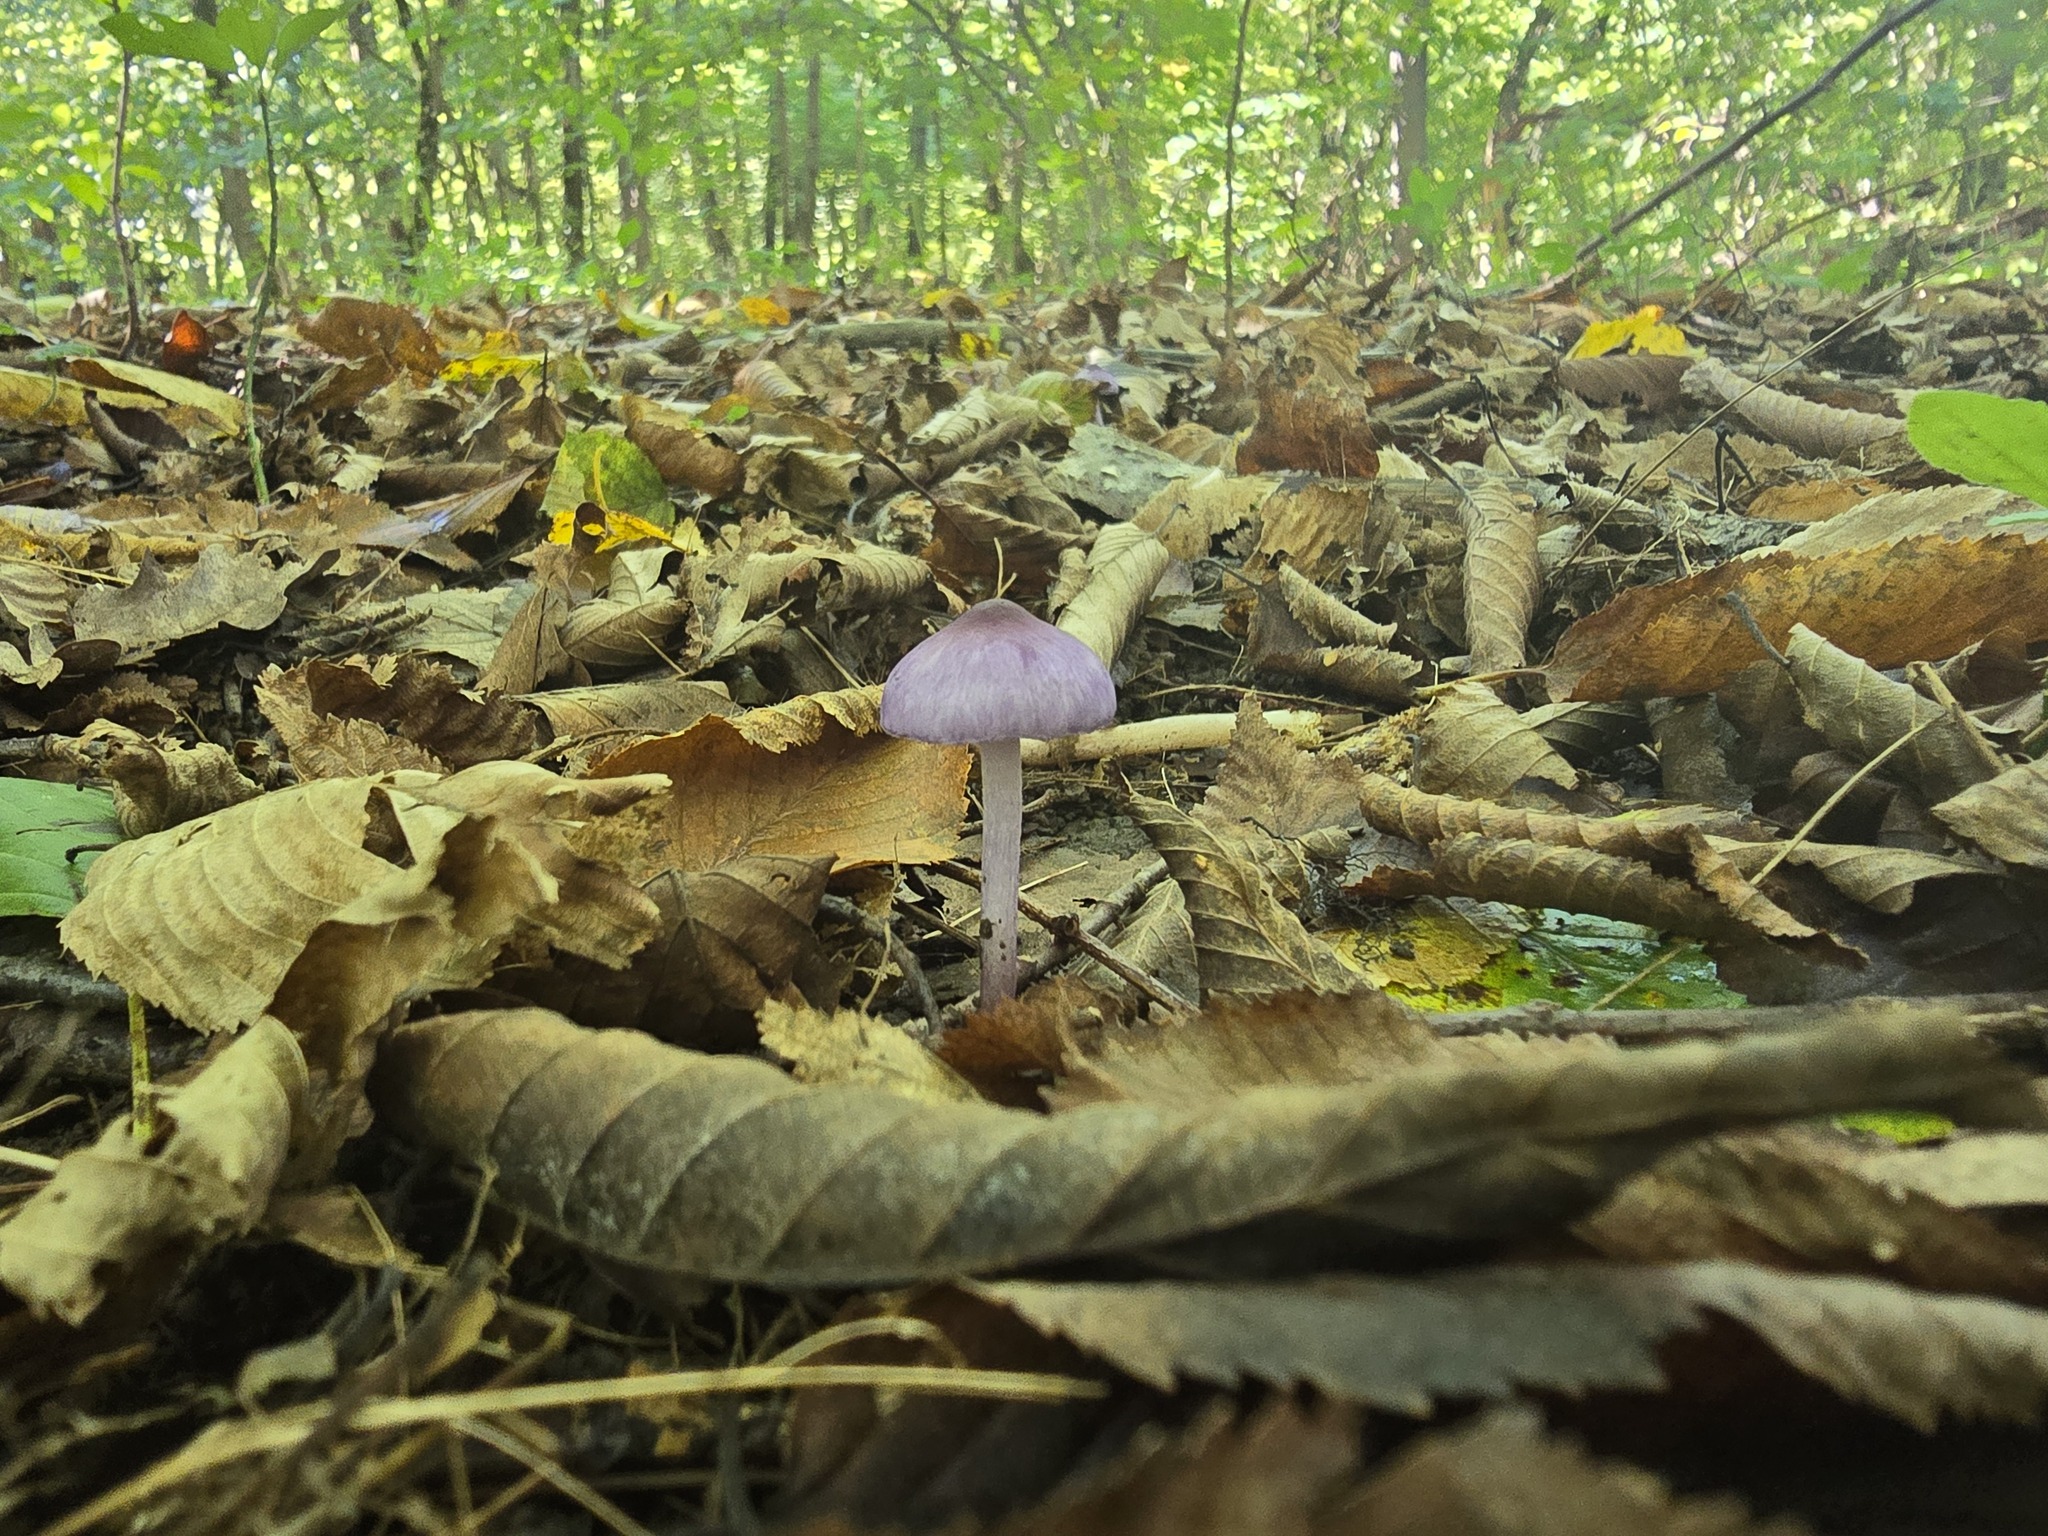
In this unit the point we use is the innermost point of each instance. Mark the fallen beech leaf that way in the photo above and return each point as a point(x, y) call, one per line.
point(1651, 381)
point(1301, 633)
point(1488, 1332)
point(1861, 712)
point(158, 785)
point(723, 1167)
point(1820, 431)
point(1880, 878)
point(2007, 816)
point(241, 590)
point(354, 718)
point(726, 941)
point(1659, 834)
point(252, 910)
point(1122, 568)
point(1922, 598)
point(1503, 577)
point(115, 1207)
point(1323, 432)
point(861, 799)
point(1188, 514)
point(1528, 874)
point(1477, 748)
point(1245, 941)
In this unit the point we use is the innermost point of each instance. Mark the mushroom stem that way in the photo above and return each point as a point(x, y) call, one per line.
point(1002, 834)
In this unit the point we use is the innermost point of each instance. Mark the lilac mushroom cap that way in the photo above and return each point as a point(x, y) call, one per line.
point(994, 674)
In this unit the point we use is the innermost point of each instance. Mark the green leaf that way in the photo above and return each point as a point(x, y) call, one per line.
point(1848, 273)
point(1983, 438)
point(85, 189)
point(300, 30)
point(605, 468)
point(250, 29)
point(158, 39)
point(39, 824)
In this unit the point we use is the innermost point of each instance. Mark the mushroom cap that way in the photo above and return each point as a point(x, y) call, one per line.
point(995, 673)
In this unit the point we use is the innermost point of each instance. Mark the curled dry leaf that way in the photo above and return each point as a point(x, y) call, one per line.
point(1475, 747)
point(268, 907)
point(244, 590)
point(1503, 577)
point(1882, 879)
point(1188, 514)
point(159, 785)
point(1578, 880)
point(1123, 567)
point(1245, 941)
point(1646, 378)
point(1649, 836)
point(1684, 637)
point(116, 1207)
point(1301, 633)
point(1489, 1332)
point(1819, 431)
point(723, 1167)
point(1861, 712)
point(1325, 432)
point(359, 717)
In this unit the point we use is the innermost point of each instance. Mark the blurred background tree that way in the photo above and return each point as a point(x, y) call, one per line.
point(543, 146)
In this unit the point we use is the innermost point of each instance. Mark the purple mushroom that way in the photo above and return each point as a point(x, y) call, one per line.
point(990, 678)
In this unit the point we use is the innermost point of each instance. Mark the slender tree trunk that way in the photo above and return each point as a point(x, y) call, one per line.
point(575, 149)
point(863, 202)
point(536, 206)
point(803, 204)
point(1020, 254)
point(920, 132)
point(237, 205)
point(429, 46)
point(775, 190)
point(1411, 112)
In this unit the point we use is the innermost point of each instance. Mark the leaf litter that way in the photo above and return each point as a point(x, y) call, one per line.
point(569, 1094)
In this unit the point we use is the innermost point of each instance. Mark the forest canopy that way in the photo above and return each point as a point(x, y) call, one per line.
point(552, 146)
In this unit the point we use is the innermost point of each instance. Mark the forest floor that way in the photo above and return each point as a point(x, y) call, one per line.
point(1530, 1017)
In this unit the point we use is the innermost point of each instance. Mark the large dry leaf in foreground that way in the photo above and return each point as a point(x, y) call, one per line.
point(1406, 1343)
point(724, 1167)
point(861, 799)
point(326, 903)
point(1919, 599)
point(118, 1204)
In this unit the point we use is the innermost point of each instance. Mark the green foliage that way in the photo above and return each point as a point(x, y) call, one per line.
point(49, 833)
point(1985, 439)
point(956, 140)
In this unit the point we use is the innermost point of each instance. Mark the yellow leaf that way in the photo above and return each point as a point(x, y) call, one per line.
point(616, 528)
point(763, 311)
point(1642, 331)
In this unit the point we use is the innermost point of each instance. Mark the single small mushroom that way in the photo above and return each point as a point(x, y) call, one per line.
point(992, 677)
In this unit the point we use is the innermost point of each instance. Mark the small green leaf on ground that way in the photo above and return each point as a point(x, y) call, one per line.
point(40, 824)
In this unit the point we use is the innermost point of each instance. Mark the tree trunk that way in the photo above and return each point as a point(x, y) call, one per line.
point(1411, 112)
point(803, 206)
point(237, 206)
point(575, 151)
point(1981, 178)
point(775, 190)
point(429, 46)
point(920, 132)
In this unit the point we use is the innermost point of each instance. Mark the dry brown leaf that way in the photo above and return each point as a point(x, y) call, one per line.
point(861, 799)
point(1985, 1169)
point(1650, 835)
point(263, 907)
point(658, 708)
point(1529, 874)
point(1799, 1199)
point(1922, 598)
point(1277, 1473)
point(1475, 747)
point(1819, 431)
point(2007, 816)
point(117, 1206)
point(1324, 432)
point(1501, 1475)
point(1488, 1332)
point(1882, 879)
point(1009, 1052)
point(1646, 378)
point(243, 590)
point(972, 543)
point(1296, 635)
point(360, 718)
point(682, 452)
point(1245, 941)
point(1861, 712)
point(805, 719)
point(723, 1167)
point(620, 634)
point(1122, 569)
point(159, 785)
point(1503, 577)
point(1324, 529)
point(845, 1046)
point(1189, 514)
point(726, 941)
